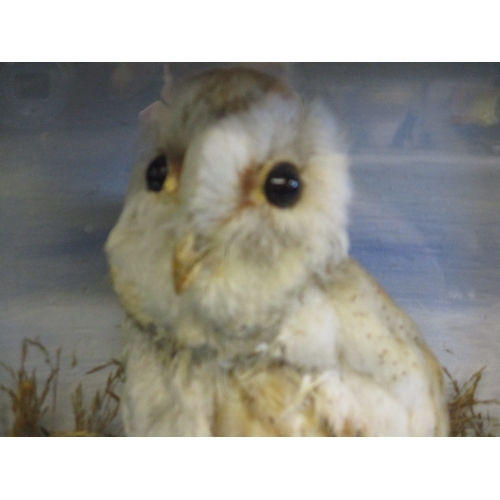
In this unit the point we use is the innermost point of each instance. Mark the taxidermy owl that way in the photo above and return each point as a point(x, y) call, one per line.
point(245, 314)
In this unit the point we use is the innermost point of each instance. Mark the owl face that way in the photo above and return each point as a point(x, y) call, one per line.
point(238, 200)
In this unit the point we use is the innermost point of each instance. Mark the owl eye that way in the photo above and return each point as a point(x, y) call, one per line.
point(157, 173)
point(283, 185)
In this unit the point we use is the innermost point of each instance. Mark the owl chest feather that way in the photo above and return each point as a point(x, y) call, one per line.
point(334, 367)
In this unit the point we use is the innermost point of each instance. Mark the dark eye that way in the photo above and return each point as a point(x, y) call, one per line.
point(283, 185)
point(157, 173)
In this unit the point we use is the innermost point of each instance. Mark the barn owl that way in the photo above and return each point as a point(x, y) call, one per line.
point(245, 314)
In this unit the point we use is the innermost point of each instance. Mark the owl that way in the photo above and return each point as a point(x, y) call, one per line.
point(245, 315)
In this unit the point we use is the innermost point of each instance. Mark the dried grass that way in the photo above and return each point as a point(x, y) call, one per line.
point(99, 418)
point(29, 403)
point(465, 418)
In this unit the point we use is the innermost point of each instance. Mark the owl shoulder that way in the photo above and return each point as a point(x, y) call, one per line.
point(359, 297)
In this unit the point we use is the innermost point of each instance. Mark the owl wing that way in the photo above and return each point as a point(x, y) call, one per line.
point(381, 344)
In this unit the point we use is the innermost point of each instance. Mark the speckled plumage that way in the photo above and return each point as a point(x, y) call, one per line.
point(246, 316)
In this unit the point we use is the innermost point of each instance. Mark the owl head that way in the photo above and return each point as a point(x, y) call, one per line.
point(237, 203)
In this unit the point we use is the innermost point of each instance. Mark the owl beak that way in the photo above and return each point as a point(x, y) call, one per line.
point(187, 262)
